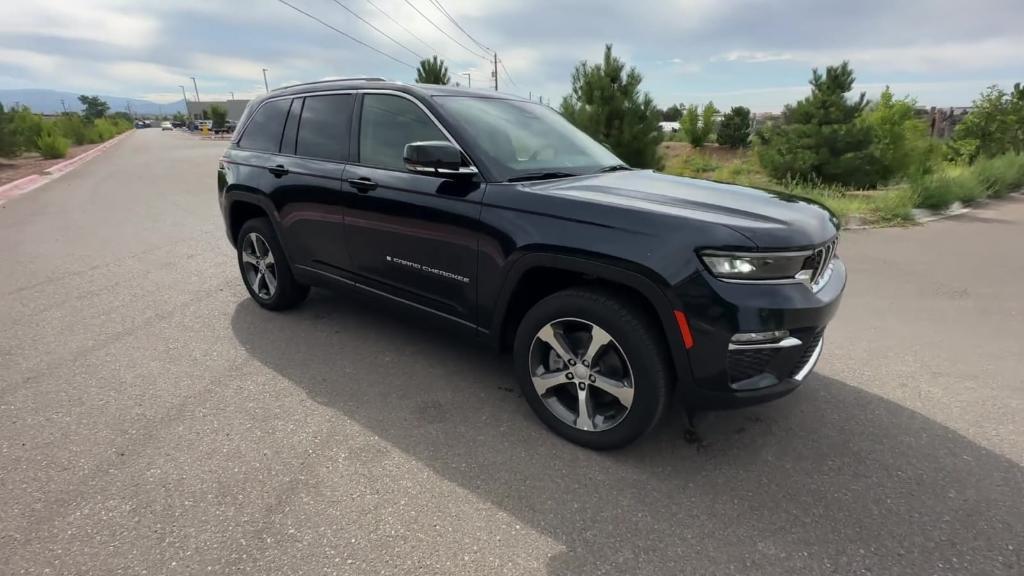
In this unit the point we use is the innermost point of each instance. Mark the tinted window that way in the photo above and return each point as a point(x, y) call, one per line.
point(291, 128)
point(324, 129)
point(264, 130)
point(388, 123)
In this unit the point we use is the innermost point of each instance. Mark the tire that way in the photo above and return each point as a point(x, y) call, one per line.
point(275, 287)
point(634, 354)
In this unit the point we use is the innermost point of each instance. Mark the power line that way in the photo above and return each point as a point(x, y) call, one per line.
point(352, 38)
point(437, 4)
point(379, 31)
point(507, 75)
point(425, 17)
point(402, 26)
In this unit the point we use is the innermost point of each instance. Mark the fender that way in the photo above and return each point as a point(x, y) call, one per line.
point(256, 198)
point(661, 303)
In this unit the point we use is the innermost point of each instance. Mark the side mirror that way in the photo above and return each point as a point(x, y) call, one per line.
point(436, 159)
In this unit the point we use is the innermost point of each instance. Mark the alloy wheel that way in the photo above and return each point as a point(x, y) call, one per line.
point(259, 266)
point(581, 374)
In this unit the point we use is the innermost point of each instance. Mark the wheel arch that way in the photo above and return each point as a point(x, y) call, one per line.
point(535, 276)
point(243, 206)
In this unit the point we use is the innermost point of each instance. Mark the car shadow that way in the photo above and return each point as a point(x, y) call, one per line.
point(832, 479)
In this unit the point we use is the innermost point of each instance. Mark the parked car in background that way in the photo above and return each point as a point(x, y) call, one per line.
point(614, 288)
point(165, 125)
point(672, 127)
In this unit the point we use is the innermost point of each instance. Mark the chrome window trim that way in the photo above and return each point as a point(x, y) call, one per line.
point(240, 131)
point(447, 134)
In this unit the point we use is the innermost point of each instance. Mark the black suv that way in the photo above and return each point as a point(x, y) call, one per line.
point(614, 287)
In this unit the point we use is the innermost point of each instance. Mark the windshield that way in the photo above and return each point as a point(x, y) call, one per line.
point(522, 139)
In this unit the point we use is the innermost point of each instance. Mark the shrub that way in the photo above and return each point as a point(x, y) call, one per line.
point(734, 130)
point(219, 115)
point(989, 129)
point(900, 141)
point(72, 127)
point(820, 137)
point(9, 145)
point(1000, 175)
point(606, 102)
point(26, 128)
point(51, 144)
point(698, 125)
point(939, 191)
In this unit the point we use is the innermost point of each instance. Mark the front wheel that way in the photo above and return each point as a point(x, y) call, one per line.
point(265, 269)
point(593, 366)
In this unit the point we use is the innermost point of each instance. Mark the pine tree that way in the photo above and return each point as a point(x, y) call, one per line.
point(698, 124)
point(819, 137)
point(606, 102)
point(432, 71)
point(734, 130)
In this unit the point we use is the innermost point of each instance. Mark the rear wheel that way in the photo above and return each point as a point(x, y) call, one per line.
point(593, 367)
point(265, 269)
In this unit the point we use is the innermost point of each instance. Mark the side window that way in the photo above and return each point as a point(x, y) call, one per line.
point(324, 128)
point(291, 128)
point(387, 124)
point(264, 130)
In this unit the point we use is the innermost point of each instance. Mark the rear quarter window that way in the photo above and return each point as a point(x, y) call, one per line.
point(264, 130)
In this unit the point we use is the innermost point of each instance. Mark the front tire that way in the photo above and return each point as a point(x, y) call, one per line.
point(592, 365)
point(265, 270)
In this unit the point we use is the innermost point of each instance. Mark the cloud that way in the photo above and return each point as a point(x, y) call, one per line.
point(107, 22)
point(986, 53)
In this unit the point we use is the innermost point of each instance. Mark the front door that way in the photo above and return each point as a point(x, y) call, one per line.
point(410, 235)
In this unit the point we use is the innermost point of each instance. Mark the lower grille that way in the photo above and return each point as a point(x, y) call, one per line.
point(743, 364)
point(805, 356)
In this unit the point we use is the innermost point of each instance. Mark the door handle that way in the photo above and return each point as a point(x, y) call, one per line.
point(362, 185)
point(277, 170)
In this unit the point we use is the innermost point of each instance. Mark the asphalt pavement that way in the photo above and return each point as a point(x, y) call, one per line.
point(153, 420)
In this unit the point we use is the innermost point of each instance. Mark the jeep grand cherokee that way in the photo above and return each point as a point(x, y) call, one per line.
point(614, 288)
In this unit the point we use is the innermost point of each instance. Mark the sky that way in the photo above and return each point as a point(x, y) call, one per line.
point(755, 53)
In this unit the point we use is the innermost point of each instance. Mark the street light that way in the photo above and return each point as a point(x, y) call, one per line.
point(183, 95)
point(469, 79)
point(232, 95)
point(265, 84)
point(196, 86)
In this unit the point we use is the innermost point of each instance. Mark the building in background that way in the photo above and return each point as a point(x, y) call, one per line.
point(234, 108)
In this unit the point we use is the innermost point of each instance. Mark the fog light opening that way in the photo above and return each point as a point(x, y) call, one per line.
point(759, 337)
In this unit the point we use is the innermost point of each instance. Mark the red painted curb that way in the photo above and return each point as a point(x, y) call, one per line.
point(20, 186)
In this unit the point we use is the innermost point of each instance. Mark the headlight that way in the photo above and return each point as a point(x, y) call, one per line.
point(754, 267)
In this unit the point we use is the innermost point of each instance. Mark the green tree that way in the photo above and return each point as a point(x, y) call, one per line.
point(992, 127)
point(432, 71)
point(606, 102)
point(672, 114)
point(219, 116)
point(698, 124)
point(734, 130)
point(9, 145)
point(26, 127)
point(900, 140)
point(94, 106)
point(179, 117)
point(820, 138)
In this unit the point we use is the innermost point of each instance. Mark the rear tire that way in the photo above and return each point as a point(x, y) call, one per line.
point(265, 269)
point(604, 395)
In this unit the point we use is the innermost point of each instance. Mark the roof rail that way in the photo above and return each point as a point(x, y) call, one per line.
point(353, 79)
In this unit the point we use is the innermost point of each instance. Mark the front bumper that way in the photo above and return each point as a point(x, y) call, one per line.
point(731, 375)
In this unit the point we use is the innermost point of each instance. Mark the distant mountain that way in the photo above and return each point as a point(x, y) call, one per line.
point(48, 102)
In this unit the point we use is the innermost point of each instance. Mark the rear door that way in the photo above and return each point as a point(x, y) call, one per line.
point(410, 235)
point(305, 180)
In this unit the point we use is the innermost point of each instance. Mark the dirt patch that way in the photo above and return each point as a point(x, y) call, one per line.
point(720, 154)
point(12, 169)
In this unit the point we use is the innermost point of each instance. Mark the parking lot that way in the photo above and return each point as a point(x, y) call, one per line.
point(154, 420)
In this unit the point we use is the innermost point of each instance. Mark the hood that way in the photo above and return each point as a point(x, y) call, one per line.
point(771, 220)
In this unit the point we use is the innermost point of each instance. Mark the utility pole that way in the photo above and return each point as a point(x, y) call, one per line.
point(62, 105)
point(469, 79)
point(265, 83)
point(232, 95)
point(196, 86)
point(182, 86)
point(495, 71)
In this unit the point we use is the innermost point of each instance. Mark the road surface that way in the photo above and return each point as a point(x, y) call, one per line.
point(153, 420)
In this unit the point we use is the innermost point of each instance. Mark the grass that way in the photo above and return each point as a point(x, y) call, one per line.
point(886, 206)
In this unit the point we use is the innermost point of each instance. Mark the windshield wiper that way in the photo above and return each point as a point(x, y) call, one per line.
point(613, 168)
point(540, 176)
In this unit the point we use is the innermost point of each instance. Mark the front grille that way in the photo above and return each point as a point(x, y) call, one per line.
point(743, 364)
point(808, 351)
point(819, 261)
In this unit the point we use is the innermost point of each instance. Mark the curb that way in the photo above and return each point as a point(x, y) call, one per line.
point(33, 181)
point(924, 215)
